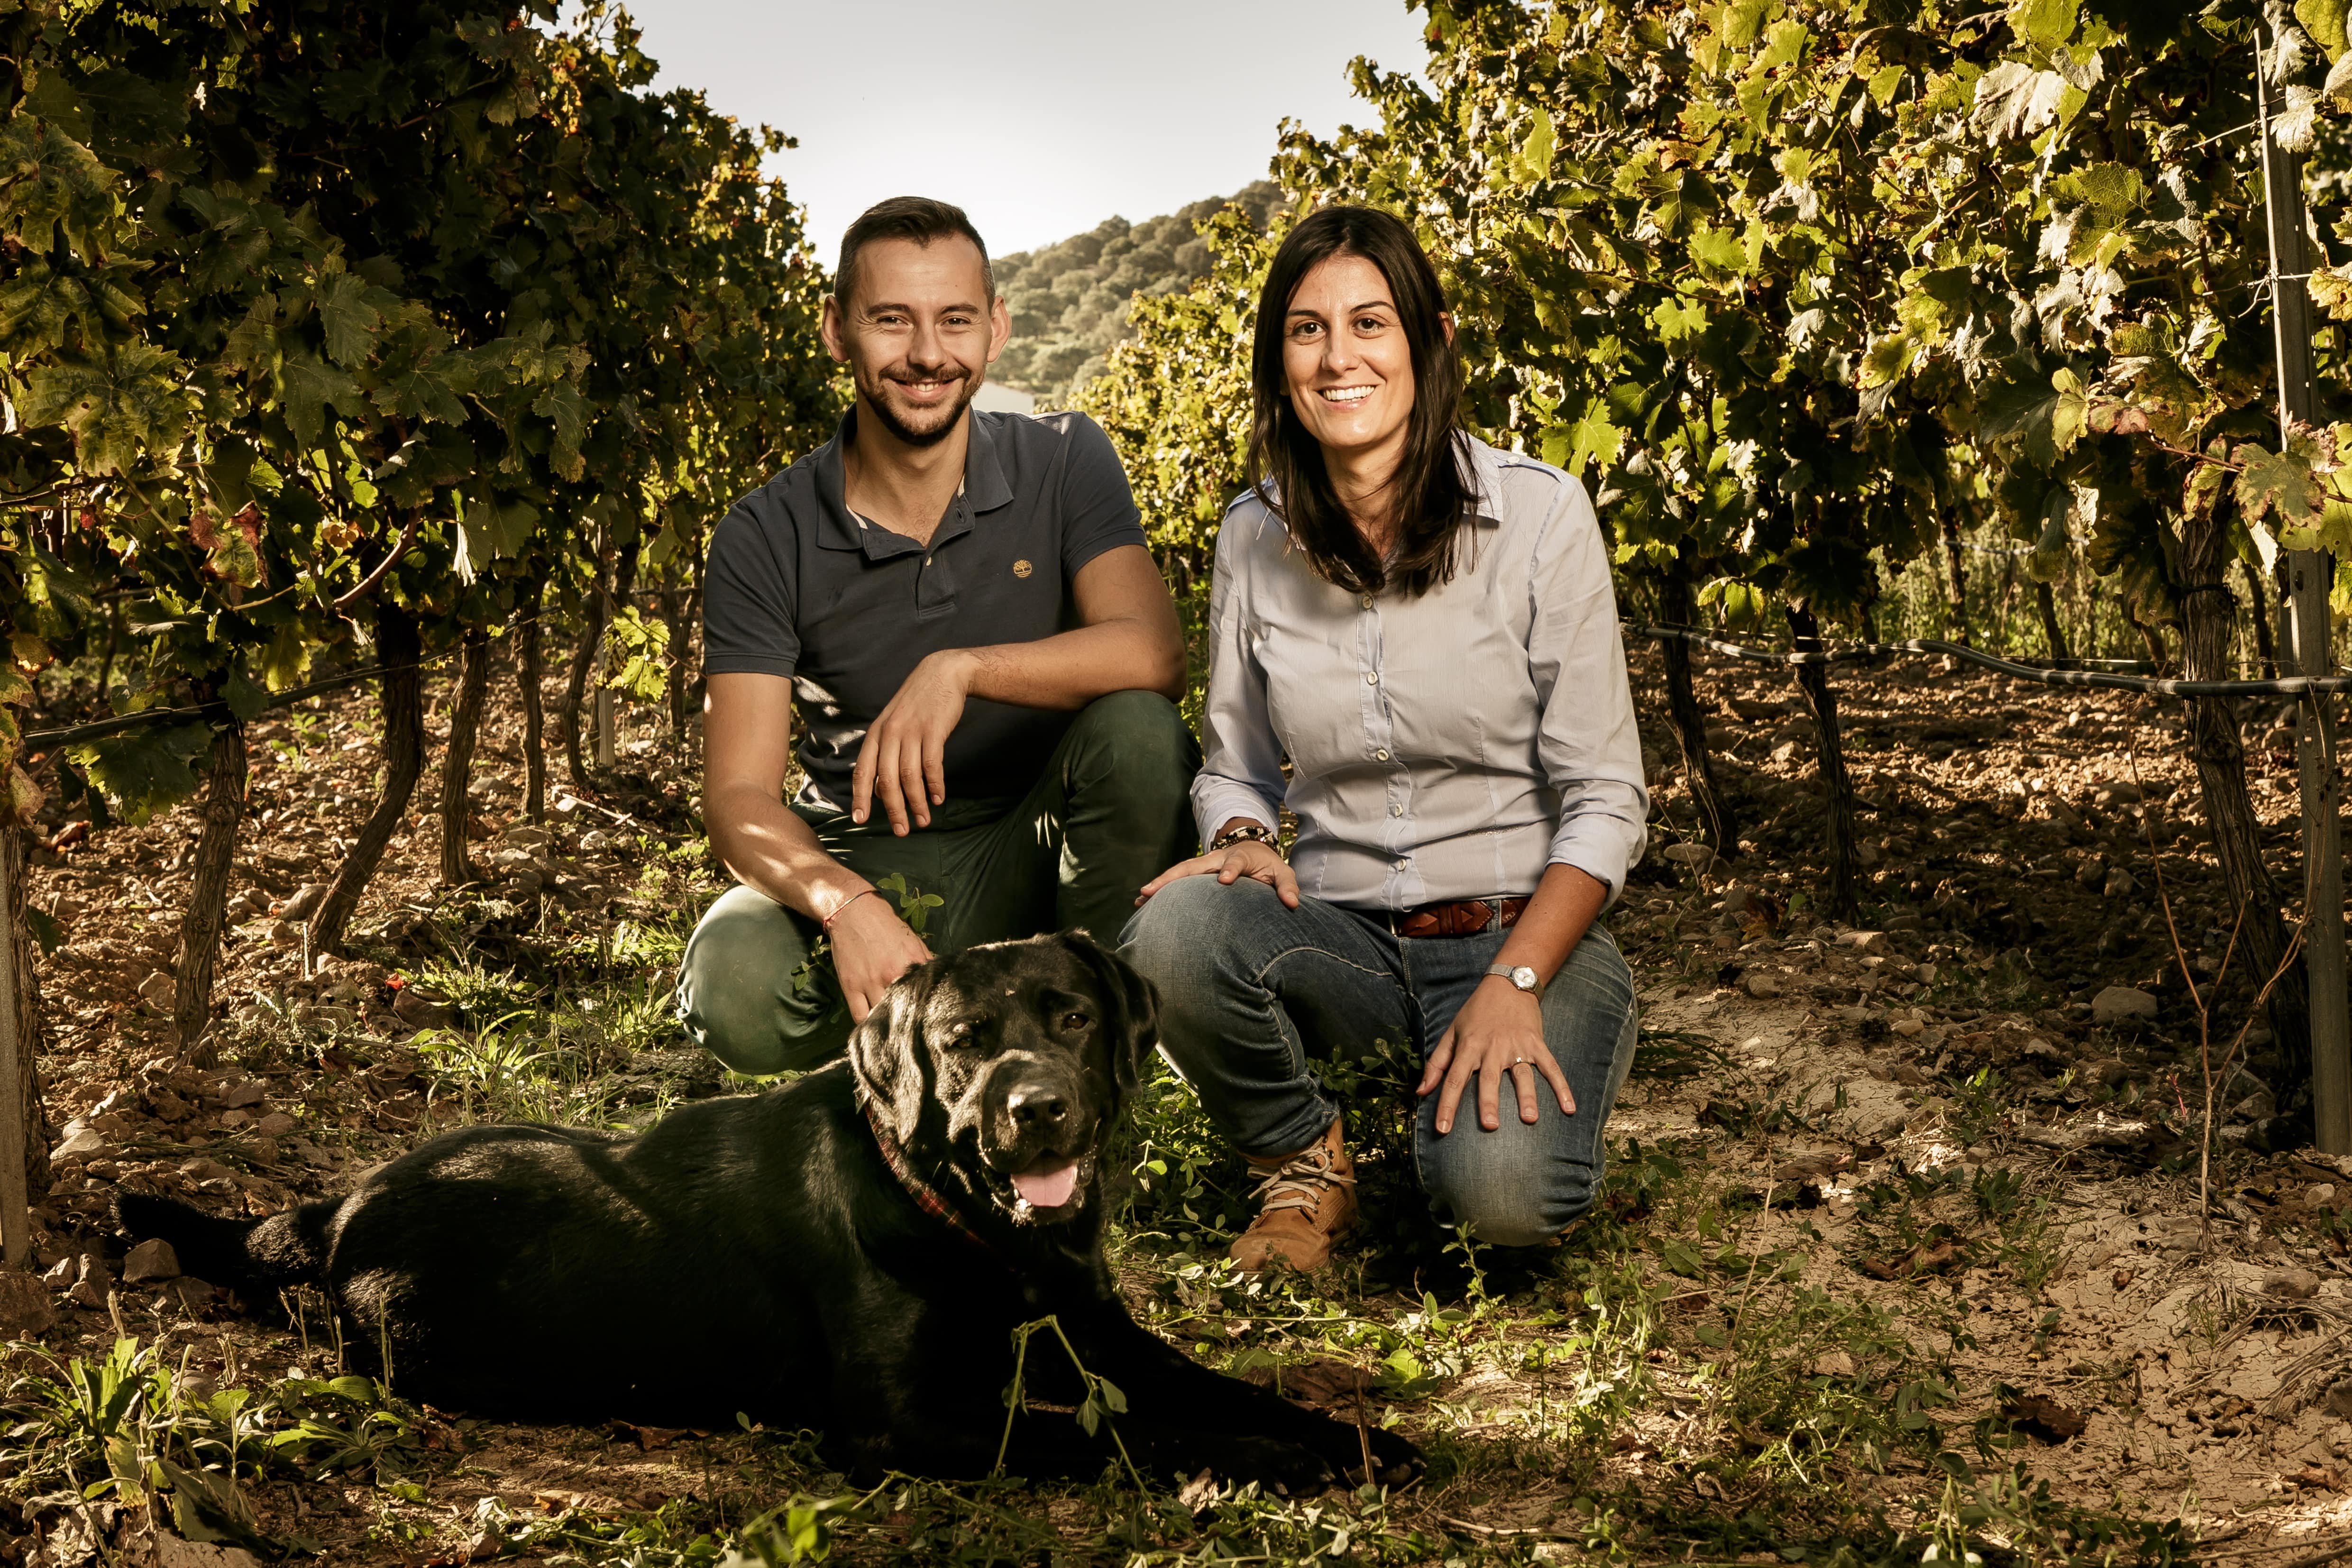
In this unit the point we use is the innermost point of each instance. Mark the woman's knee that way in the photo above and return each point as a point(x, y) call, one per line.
point(1515, 1187)
point(1187, 931)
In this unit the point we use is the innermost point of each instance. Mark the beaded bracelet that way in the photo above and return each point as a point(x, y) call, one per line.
point(1249, 833)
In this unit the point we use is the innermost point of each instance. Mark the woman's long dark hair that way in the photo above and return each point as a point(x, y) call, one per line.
point(1431, 496)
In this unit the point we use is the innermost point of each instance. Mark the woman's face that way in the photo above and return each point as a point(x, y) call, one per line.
point(1346, 360)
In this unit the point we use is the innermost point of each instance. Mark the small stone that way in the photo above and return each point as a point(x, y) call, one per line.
point(285, 933)
point(2120, 883)
point(277, 1124)
point(1831, 1363)
point(1696, 856)
point(88, 1293)
point(1908, 1028)
point(1760, 984)
point(150, 1260)
point(235, 1118)
point(25, 1306)
point(62, 1274)
point(2319, 1193)
point(2294, 1284)
point(81, 1146)
point(2116, 1003)
point(2093, 872)
point(242, 1093)
point(158, 991)
point(1866, 941)
point(304, 900)
point(171, 1552)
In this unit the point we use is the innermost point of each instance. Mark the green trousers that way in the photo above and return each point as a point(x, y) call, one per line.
point(1110, 812)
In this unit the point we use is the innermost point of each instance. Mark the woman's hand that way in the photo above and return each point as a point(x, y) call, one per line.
point(1499, 1030)
point(1250, 858)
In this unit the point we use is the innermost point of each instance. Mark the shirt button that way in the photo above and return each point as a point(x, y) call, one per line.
point(1381, 755)
point(1368, 601)
point(1400, 864)
point(1371, 678)
point(1396, 811)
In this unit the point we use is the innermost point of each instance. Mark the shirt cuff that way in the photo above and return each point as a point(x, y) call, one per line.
point(1216, 801)
point(1592, 852)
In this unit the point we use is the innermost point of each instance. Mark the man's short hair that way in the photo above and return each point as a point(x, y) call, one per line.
point(919, 218)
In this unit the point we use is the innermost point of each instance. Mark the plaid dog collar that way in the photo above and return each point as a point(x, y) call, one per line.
point(927, 1197)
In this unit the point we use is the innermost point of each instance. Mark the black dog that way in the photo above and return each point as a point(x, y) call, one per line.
point(852, 1252)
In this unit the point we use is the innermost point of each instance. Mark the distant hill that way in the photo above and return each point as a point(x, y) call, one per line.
point(1069, 300)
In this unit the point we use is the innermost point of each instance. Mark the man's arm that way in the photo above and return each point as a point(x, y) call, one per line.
point(747, 745)
point(1127, 641)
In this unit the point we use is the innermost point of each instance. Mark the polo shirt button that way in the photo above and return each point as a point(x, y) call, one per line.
point(1368, 601)
point(1381, 755)
point(1371, 678)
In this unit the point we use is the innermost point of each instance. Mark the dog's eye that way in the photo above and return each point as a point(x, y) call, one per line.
point(960, 1035)
point(1074, 1020)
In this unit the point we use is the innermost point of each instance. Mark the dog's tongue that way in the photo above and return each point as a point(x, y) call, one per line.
point(1047, 1189)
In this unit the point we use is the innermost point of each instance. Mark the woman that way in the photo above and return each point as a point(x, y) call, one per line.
point(1424, 627)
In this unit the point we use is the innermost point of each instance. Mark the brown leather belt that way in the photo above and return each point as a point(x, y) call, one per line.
point(1464, 917)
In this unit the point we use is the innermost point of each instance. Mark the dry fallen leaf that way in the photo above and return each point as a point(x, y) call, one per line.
point(2044, 1417)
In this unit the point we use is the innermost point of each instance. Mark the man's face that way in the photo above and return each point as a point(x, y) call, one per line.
point(920, 333)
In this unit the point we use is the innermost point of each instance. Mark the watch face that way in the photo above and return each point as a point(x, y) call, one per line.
point(1524, 978)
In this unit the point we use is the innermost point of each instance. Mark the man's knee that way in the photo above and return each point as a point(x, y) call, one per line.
point(1140, 739)
point(734, 988)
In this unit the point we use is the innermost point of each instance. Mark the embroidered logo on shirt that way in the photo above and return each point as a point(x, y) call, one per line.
point(1021, 568)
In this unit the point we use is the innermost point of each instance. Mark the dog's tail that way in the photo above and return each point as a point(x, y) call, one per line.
point(253, 1257)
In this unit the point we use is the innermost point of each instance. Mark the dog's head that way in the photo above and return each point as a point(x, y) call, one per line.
point(1010, 1061)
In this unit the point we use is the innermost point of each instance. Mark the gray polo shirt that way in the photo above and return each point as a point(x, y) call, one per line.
point(797, 586)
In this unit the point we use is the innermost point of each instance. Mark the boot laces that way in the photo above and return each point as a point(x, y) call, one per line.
point(1300, 1182)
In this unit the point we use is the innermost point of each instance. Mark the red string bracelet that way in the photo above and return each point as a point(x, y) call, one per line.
point(845, 904)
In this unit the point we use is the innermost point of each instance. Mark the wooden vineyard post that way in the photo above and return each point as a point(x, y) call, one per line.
point(2310, 574)
point(603, 692)
point(16, 1060)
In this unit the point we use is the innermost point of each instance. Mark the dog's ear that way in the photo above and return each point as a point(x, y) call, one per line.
point(883, 1054)
point(1131, 1004)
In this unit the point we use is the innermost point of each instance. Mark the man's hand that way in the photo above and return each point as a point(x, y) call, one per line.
point(871, 948)
point(902, 759)
point(1499, 1031)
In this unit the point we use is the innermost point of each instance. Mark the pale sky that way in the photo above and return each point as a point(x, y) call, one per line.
point(1040, 117)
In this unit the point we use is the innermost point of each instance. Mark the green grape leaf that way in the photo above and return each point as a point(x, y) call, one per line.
point(348, 317)
point(2045, 22)
point(2109, 190)
point(124, 411)
point(2324, 20)
point(142, 771)
point(2047, 420)
point(311, 386)
point(2280, 481)
point(1536, 151)
point(1720, 250)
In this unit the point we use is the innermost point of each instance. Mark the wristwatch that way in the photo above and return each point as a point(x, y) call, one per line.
point(1520, 975)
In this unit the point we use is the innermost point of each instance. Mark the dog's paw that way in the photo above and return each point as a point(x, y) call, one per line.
point(1396, 1458)
point(1276, 1467)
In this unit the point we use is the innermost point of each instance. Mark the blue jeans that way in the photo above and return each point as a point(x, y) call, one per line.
point(1251, 991)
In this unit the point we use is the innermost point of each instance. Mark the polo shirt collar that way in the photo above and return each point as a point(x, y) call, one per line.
point(984, 489)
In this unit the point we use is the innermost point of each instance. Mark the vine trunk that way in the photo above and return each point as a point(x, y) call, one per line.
point(1837, 789)
point(401, 688)
point(458, 758)
point(200, 927)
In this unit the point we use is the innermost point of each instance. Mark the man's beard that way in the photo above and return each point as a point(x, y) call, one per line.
point(907, 433)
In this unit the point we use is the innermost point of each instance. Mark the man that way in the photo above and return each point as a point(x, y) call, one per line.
point(982, 658)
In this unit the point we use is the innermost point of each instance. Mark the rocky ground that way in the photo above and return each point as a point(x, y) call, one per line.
point(1922, 1187)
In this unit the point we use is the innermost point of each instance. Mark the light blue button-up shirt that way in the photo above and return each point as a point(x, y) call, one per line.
point(1447, 746)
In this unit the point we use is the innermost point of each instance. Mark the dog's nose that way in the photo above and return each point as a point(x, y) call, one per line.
point(1037, 1103)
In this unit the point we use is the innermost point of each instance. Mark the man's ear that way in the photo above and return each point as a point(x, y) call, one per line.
point(1132, 1007)
point(883, 1056)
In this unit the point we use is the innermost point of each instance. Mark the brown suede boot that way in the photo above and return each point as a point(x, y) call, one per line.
point(1307, 1201)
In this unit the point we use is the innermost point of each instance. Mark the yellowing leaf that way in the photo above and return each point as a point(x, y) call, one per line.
point(2324, 20)
point(1536, 151)
point(2013, 100)
point(2280, 480)
point(2045, 22)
